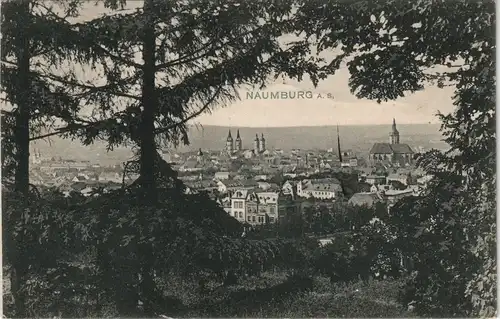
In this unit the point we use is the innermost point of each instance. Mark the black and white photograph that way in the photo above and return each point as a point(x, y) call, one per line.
point(248, 158)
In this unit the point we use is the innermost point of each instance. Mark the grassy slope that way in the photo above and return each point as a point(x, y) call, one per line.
point(355, 300)
point(369, 300)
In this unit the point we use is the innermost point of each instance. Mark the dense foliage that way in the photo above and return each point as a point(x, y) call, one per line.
point(400, 47)
point(87, 252)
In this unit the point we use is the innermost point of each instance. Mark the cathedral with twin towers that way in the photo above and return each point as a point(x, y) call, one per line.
point(234, 146)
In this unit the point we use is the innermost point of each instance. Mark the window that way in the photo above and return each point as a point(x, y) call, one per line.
point(241, 214)
point(272, 209)
point(271, 219)
point(238, 204)
point(253, 218)
point(249, 219)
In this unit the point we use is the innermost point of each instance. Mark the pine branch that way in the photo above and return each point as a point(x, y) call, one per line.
point(103, 88)
point(118, 58)
point(193, 115)
point(186, 58)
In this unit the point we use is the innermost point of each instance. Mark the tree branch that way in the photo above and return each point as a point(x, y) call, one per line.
point(89, 87)
point(195, 114)
point(181, 60)
point(80, 85)
point(118, 58)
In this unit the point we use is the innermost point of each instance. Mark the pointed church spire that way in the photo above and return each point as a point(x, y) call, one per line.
point(394, 129)
point(238, 134)
point(229, 135)
point(394, 134)
point(338, 144)
point(340, 158)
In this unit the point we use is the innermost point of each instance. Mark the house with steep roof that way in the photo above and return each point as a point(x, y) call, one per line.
point(200, 186)
point(262, 207)
point(402, 178)
point(191, 166)
point(222, 175)
point(80, 178)
point(289, 188)
point(225, 186)
point(328, 188)
point(255, 207)
point(238, 204)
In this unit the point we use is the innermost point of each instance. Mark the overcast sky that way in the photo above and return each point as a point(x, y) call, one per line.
point(343, 109)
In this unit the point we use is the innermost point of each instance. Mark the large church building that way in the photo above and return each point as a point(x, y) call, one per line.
point(393, 152)
point(259, 145)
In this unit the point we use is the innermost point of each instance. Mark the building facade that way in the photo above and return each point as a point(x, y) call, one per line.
point(255, 207)
point(319, 188)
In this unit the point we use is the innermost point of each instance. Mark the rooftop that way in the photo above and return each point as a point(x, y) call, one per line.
point(387, 148)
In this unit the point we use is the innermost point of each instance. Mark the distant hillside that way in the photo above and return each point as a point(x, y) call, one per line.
point(359, 138)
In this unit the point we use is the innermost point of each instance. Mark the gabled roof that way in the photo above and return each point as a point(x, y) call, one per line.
point(323, 187)
point(327, 185)
point(268, 197)
point(324, 181)
point(401, 149)
point(200, 184)
point(381, 148)
point(240, 194)
point(386, 148)
point(291, 182)
point(239, 183)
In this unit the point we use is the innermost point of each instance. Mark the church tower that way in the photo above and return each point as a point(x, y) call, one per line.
point(256, 147)
point(394, 135)
point(262, 143)
point(199, 156)
point(238, 142)
point(229, 143)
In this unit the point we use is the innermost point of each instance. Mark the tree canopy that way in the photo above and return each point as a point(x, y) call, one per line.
point(396, 47)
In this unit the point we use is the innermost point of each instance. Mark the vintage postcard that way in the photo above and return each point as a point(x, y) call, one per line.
point(237, 158)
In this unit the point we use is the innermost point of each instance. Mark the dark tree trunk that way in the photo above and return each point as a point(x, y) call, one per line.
point(148, 151)
point(22, 131)
point(22, 99)
point(147, 136)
